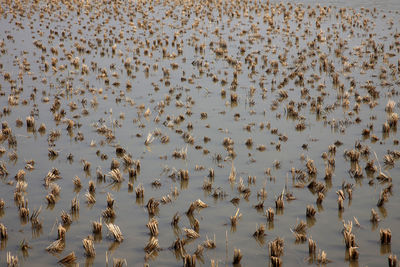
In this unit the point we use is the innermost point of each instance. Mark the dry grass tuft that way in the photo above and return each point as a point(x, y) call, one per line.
point(320, 198)
point(66, 218)
point(56, 246)
point(392, 260)
point(116, 175)
point(175, 219)
point(190, 233)
point(279, 202)
point(12, 261)
point(322, 258)
point(139, 190)
point(90, 198)
point(116, 232)
point(232, 174)
point(97, 226)
point(75, 204)
point(237, 256)
point(374, 216)
point(110, 201)
point(383, 197)
point(270, 214)
point(77, 182)
point(108, 213)
point(235, 218)
point(353, 253)
point(310, 211)
point(260, 232)
point(385, 236)
point(312, 246)
point(153, 227)
point(152, 245)
point(51, 176)
point(189, 260)
point(276, 261)
point(210, 243)
point(119, 262)
point(183, 175)
point(301, 227)
point(152, 206)
point(51, 199)
point(88, 245)
point(36, 224)
point(69, 259)
point(275, 247)
point(3, 232)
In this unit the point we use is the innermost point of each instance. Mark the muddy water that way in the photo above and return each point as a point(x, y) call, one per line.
point(248, 40)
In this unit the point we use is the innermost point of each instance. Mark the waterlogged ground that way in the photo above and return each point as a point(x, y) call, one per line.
point(262, 103)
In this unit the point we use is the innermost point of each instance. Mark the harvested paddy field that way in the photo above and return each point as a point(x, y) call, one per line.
point(199, 133)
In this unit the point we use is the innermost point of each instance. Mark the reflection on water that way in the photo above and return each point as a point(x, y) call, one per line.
point(186, 99)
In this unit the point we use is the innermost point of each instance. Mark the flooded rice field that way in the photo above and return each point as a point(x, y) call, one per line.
point(208, 133)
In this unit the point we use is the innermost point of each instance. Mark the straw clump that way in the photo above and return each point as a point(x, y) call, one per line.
point(69, 259)
point(88, 245)
point(115, 232)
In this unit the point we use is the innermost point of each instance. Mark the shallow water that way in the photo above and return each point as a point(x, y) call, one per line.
point(199, 93)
